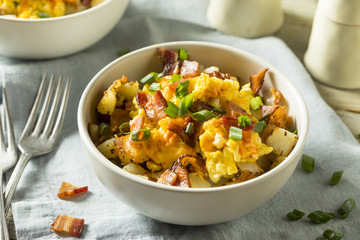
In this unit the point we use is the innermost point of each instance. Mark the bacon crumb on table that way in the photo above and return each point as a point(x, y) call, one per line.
point(71, 225)
point(69, 190)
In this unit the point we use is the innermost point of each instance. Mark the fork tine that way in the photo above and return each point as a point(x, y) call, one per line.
point(9, 126)
point(50, 120)
point(32, 117)
point(62, 110)
point(45, 107)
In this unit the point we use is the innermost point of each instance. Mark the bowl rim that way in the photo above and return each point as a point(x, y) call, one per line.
point(87, 142)
point(69, 16)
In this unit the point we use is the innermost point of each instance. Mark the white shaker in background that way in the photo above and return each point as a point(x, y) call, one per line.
point(333, 54)
point(246, 18)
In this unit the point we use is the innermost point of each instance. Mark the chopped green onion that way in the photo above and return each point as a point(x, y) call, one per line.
point(172, 110)
point(121, 128)
point(144, 135)
point(235, 133)
point(175, 78)
point(189, 128)
point(294, 131)
point(104, 129)
point(320, 216)
point(358, 135)
point(218, 110)
point(295, 215)
point(183, 55)
point(332, 235)
point(185, 104)
point(182, 89)
point(336, 177)
point(244, 121)
point(264, 117)
point(346, 208)
point(123, 52)
point(154, 86)
point(203, 115)
point(259, 126)
point(255, 103)
point(307, 163)
point(151, 77)
point(43, 15)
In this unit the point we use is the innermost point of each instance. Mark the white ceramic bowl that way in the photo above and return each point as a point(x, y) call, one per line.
point(56, 37)
point(190, 206)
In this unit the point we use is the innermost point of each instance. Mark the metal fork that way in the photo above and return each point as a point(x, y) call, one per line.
point(42, 129)
point(8, 156)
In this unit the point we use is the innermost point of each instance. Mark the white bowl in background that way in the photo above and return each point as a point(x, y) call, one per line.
point(194, 206)
point(59, 36)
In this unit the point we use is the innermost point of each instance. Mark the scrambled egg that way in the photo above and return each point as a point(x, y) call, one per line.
point(43, 8)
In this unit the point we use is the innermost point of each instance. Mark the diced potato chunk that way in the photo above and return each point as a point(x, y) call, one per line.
point(134, 169)
point(129, 90)
point(197, 181)
point(282, 141)
point(107, 148)
point(94, 132)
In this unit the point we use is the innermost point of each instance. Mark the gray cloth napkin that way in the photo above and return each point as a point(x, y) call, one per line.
point(36, 205)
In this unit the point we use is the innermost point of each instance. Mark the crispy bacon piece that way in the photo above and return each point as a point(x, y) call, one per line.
point(177, 175)
point(69, 190)
point(233, 110)
point(276, 95)
point(179, 129)
point(189, 69)
point(199, 105)
point(197, 164)
point(137, 123)
point(256, 81)
point(170, 61)
point(246, 132)
point(268, 111)
point(118, 117)
point(220, 75)
point(154, 105)
point(71, 225)
point(280, 118)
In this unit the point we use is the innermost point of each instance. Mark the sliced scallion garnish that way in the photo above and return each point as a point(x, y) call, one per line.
point(172, 110)
point(183, 55)
point(294, 131)
point(259, 126)
point(244, 121)
point(307, 163)
point(43, 15)
point(255, 103)
point(332, 235)
point(336, 177)
point(140, 135)
point(123, 52)
point(124, 125)
point(235, 133)
point(185, 104)
point(295, 215)
point(182, 89)
point(320, 216)
point(189, 128)
point(154, 86)
point(218, 110)
point(346, 208)
point(175, 78)
point(150, 78)
point(203, 115)
point(104, 129)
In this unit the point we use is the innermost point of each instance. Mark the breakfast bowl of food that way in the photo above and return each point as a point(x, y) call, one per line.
point(192, 133)
point(44, 29)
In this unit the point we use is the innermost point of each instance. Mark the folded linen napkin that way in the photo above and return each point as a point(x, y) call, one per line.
point(35, 204)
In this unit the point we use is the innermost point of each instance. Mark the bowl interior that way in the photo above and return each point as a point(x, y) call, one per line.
point(242, 64)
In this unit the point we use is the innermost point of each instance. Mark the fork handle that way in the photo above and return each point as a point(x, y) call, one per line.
point(4, 228)
point(14, 179)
